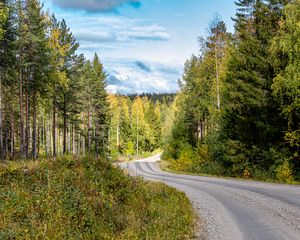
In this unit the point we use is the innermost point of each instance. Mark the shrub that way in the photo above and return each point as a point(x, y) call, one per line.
point(284, 172)
point(186, 158)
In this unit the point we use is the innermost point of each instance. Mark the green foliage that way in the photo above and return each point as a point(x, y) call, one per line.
point(3, 19)
point(185, 159)
point(286, 86)
point(86, 198)
point(53, 101)
point(137, 124)
point(238, 107)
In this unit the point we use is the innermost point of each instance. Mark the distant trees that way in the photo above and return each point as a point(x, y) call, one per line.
point(137, 124)
point(43, 85)
point(238, 109)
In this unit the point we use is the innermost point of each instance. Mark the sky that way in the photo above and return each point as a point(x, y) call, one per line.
point(143, 44)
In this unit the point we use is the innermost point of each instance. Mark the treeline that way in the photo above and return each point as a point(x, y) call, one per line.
point(52, 100)
point(238, 111)
point(167, 98)
point(139, 124)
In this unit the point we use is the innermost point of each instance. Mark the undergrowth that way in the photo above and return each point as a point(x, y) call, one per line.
point(86, 198)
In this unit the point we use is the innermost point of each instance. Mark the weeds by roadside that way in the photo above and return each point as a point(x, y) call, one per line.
point(86, 198)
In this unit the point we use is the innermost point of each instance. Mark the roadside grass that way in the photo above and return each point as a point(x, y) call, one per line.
point(86, 198)
point(167, 167)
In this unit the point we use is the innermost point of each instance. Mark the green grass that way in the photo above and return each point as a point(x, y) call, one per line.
point(87, 199)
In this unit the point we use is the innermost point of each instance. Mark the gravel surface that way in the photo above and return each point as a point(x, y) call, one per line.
point(232, 209)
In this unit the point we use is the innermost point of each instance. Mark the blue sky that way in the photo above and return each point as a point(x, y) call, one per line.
point(143, 44)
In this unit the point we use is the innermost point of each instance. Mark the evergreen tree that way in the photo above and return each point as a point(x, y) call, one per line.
point(7, 74)
point(66, 90)
point(286, 86)
point(38, 62)
point(4, 12)
point(100, 107)
point(251, 120)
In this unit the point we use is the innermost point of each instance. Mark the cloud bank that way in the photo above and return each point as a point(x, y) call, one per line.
point(106, 31)
point(127, 76)
point(95, 5)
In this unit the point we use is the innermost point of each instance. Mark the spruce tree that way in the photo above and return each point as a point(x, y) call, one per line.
point(286, 86)
point(251, 120)
point(100, 107)
point(7, 72)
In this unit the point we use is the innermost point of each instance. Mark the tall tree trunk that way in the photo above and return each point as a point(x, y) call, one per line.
point(54, 128)
point(74, 140)
point(47, 137)
point(118, 137)
point(97, 143)
point(22, 136)
point(43, 134)
point(39, 139)
point(69, 140)
point(78, 144)
point(201, 131)
point(34, 112)
point(1, 120)
point(89, 130)
point(5, 142)
point(65, 127)
point(218, 80)
point(83, 145)
point(12, 143)
point(27, 130)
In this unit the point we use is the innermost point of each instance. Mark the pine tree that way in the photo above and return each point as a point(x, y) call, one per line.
point(87, 102)
point(38, 62)
point(100, 107)
point(66, 89)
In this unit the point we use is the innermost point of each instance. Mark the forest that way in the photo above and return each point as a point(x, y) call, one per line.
point(54, 101)
point(139, 124)
point(60, 133)
point(237, 114)
point(238, 110)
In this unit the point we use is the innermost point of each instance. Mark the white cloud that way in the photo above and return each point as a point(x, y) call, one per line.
point(129, 77)
point(94, 5)
point(114, 29)
point(111, 35)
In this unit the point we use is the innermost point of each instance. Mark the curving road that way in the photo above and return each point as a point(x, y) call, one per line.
point(232, 209)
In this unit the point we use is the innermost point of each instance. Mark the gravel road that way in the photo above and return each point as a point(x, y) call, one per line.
point(232, 209)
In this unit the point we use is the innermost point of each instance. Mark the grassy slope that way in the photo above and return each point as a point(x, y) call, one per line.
point(87, 199)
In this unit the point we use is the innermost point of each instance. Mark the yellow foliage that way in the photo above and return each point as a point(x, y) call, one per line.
point(246, 174)
point(284, 172)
